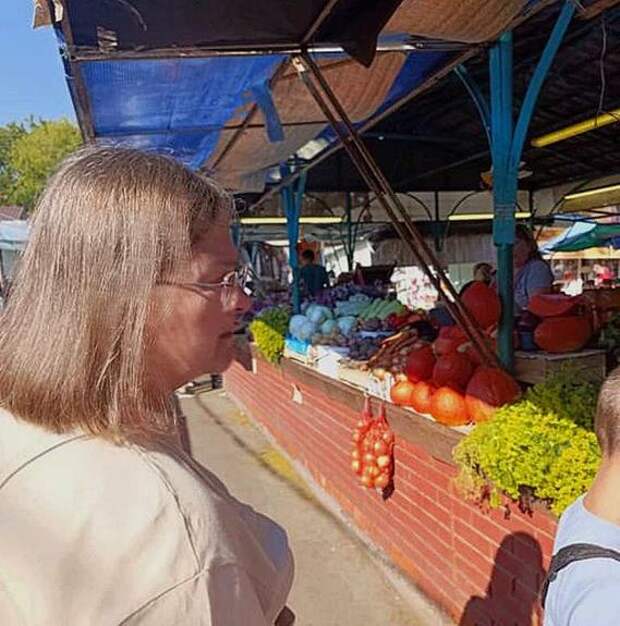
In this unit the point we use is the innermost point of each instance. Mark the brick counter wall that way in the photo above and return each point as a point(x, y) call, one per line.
point(482, 568)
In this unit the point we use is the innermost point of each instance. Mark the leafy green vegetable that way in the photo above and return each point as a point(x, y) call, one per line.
point(538, 446)
point(268, 330)
point(567, 395)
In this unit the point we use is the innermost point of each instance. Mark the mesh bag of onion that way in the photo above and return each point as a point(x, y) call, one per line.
point(373, 451)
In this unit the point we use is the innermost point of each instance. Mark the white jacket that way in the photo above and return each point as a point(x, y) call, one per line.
point(96, 534)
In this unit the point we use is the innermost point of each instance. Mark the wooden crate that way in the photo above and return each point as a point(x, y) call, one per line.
point(535, 367)
point(353, 376)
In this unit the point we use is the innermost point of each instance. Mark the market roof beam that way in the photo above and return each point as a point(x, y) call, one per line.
point(597, 8)
point(426, 85)
point(83, 54)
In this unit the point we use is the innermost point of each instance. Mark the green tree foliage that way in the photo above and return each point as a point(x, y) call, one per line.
point(9, 134)
point(33, 154)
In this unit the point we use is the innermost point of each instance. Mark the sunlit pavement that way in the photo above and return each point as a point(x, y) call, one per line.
point(338, 582)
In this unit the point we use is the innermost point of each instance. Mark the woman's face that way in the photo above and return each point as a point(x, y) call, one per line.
point(193, 328)
point(521, 252)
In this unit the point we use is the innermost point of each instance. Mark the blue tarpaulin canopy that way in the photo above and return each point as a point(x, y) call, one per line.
point(210, 82)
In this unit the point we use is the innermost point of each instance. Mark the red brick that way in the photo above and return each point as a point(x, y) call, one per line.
point(477, 560)
point(470, 579)
point(474, 539)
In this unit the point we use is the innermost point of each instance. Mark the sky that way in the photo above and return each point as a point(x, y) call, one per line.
point(31, 74)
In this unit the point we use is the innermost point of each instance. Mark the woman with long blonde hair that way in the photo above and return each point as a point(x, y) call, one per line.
point(128, 288)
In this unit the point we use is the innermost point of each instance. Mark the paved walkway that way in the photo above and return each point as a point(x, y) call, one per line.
point(337, 581)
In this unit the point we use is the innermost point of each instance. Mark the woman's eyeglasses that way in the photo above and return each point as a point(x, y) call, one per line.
point(240, 278)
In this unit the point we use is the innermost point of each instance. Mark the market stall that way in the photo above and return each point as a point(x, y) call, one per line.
point(440, 504)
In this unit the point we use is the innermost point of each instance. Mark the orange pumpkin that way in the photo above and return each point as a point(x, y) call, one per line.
point(489, 389)
point(563, 334)
point(400, 393)
point(448, 407)
point(420, 364)
point(421, 396)
point(453, 370)
point(483, 303)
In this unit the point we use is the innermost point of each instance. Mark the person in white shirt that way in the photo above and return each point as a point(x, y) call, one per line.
point(128, 288)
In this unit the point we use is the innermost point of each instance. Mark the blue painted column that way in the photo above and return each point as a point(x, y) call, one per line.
point(504, 188)
point(292, 199)
point(506, 149)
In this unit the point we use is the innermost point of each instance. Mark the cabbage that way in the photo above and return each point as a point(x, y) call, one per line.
point(306, 330)
point(328, 327)
point(346, 325)
point(310, 309)
point(295, 324)
point(318, 314)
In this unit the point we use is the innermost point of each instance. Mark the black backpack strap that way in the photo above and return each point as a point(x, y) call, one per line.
point(570, 554)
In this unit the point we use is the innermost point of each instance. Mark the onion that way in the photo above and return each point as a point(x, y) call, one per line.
point(384, 461)
point(367, 481)
point(380, 448)
point(379, 373)
point(388, 437)
point(370, 459)
point(382, 481)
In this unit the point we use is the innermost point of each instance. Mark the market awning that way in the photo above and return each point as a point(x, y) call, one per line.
point(210, 83)
point(591, 236)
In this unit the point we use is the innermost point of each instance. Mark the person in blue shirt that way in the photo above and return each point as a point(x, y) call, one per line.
point(587, 592)
point(533, 275)
point(313, 275)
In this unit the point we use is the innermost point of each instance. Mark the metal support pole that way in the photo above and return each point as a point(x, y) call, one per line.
point(292, 198)
point(437, 224)
point(504, 189)
point(506, 148)
point(477, 96)
point(350, 239)
point(378, 184)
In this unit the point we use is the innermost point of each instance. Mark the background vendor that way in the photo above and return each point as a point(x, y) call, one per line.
point(313, 275)
point(533, 275)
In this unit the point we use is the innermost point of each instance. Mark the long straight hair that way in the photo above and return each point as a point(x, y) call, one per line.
point(111, 224)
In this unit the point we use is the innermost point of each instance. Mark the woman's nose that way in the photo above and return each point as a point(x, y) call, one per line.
point(240, 302)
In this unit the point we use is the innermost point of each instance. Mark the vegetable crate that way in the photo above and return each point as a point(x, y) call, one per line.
point(536, 367)
point(297, 350)
point(327, 359)
point(380, 388)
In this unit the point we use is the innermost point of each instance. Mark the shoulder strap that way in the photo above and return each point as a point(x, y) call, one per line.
point(570, 554)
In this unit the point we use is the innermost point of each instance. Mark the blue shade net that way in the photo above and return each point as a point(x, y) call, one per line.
point(174, 106)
